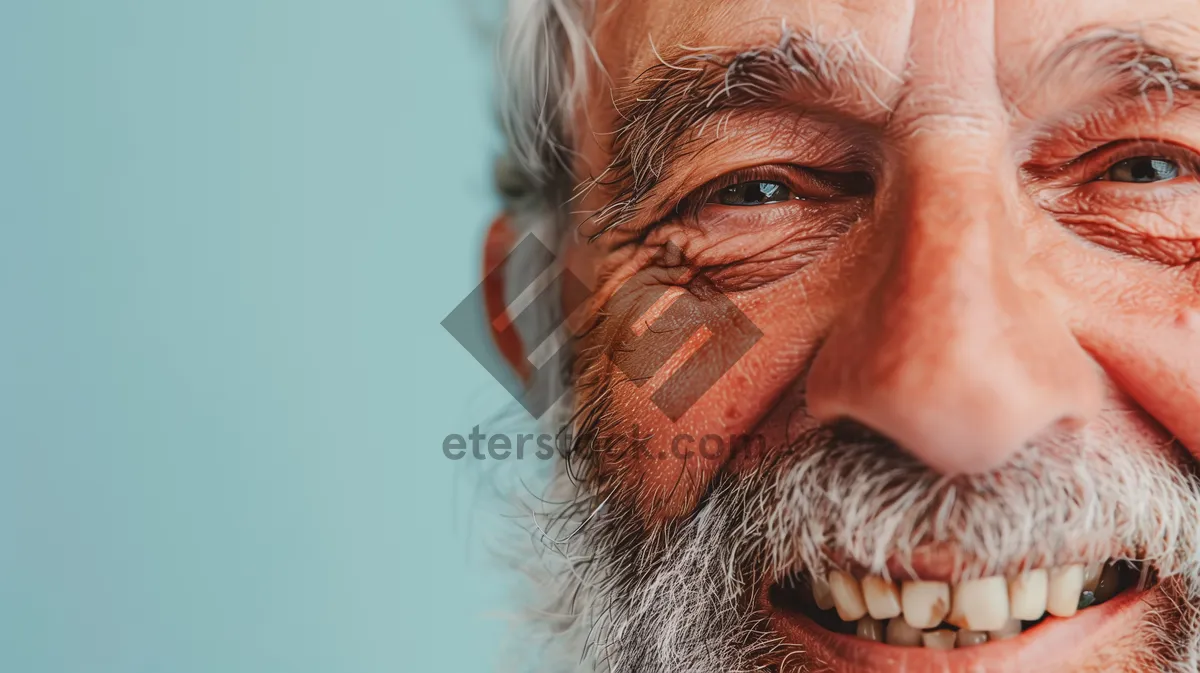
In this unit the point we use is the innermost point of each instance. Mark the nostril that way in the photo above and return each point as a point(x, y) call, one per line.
point(957, 425)
point(845, 429)
point(962, 403)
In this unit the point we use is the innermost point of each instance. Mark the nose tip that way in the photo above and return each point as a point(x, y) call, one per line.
point(958, 416)
point(964, 418)
point(953, 352)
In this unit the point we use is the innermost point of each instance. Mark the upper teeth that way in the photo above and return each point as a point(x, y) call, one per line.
point(847, 596)
point(882, 597)
point(981, 605)
point(982, 609)
point(1065, 586)
point(926, 604)
point(1027, 595)
point(822, 594)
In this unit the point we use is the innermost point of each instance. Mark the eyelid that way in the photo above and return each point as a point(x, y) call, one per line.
point(1092, 165)
point(799, 180)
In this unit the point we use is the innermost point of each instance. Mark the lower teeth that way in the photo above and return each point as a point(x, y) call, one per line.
point(946, 637)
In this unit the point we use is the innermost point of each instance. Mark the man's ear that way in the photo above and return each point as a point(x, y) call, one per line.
point(497, 244)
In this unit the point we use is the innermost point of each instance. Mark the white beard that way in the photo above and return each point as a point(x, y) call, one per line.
point(682, 598)
point(689, 614)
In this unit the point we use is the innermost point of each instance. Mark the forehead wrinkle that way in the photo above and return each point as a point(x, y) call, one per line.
point(664, 110)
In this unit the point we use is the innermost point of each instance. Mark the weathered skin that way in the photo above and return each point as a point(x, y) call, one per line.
point(985, 292)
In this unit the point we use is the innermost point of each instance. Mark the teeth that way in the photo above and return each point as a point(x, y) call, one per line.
point(1027, 595)
point(970, 638)
point(982, 605)
point(848, 596)
point(1010, 630)
point(882, 597)
point(822, 594)
point(938, 640)
point(925, 604)
point(983, 610)
point(1066, 583)
point(901, 634)
point(870, 629)
point(1091, 576)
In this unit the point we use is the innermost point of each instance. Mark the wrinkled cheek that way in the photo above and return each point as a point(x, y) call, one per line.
point(1147, 337)
point(644, 458)
point(663, 415)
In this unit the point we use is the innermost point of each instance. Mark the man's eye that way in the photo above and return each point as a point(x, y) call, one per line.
point(1143, 169)
point(753, 193)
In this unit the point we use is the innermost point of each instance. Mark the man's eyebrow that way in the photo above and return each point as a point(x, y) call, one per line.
point(1126, 62)
point(665, 110)
point(662, 107)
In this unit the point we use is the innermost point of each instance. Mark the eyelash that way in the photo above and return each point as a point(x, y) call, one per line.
point(689, 207)
point(1091, 167)
point(792, 177)
point(1094, 164)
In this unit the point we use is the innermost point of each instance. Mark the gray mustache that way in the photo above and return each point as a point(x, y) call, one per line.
point(853, 497)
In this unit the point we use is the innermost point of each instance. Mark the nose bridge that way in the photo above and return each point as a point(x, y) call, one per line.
point(947, 353)
point(951, 269)
point(950, 309)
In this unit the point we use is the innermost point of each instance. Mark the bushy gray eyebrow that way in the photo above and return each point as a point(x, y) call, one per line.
point(663, 106)
point(666, 108)
point(1128, 61)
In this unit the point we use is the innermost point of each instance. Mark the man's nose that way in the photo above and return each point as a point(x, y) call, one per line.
point(951, 352)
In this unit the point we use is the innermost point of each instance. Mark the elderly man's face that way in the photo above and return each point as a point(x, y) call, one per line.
point(969, 233)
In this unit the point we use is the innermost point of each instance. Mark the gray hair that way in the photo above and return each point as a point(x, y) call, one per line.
point(545, 55)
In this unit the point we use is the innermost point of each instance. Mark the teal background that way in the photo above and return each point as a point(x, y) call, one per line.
point(228, 232)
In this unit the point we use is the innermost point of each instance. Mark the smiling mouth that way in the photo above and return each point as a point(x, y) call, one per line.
point(941, 616)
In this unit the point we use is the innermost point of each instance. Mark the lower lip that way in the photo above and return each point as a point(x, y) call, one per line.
point(1055, 641)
